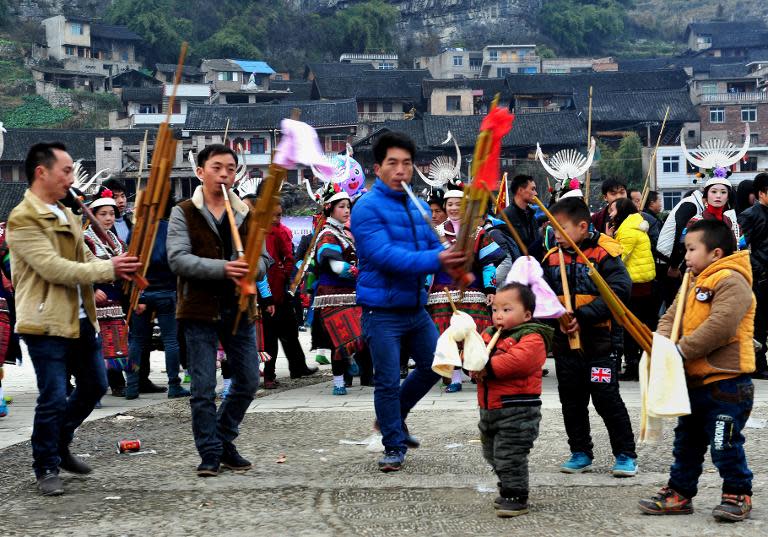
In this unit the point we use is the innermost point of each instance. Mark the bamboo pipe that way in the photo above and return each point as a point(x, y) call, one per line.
point(450, 300)
point(492, 342)
point(574, 340)
point(651, 164)
point(678, 320)
point(589, 139)
point(232, 224)
point(307, 256)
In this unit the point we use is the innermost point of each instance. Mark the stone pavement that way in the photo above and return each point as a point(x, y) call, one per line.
point(326, 488)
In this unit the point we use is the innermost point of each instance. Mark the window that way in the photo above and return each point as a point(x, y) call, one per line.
point(69, 50)
point(453, 103)
point(228, 76)
point(671, 199)
point(76, 28)
point(258, 146)
point(493, 55)
point(716, 114)
point(475, 64)
point(458, 61)
point(527, 70)
point(670, 164)
point(691, 133)
point(753, 138)
point(749, 114)
point(387, 106)
point(124, 55)
point(501, 72)
point(386, 66)
point(147, 109)
point(749, 164)
point(709, 88)
point(360, 107)
point(6, 173)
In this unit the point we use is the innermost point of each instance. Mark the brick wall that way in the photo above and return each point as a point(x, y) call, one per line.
point(733, 127)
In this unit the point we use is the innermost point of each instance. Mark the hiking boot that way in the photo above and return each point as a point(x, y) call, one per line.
point(625, 466)
point(579, 463)
point(176, 391)
point(339, 390)
point(509, 507)
point(209, 466)
point(666, 502)
point(733, 508)
point(50, 484)
point(72, 464)
point(231, 459)
point(392, 461)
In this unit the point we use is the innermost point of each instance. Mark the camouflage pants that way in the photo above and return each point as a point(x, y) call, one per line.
point(508, 435)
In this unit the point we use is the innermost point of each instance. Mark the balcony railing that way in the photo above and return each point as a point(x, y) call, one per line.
point(156, 119)
point(740, 97)
point(536, 109)
point(378, 117)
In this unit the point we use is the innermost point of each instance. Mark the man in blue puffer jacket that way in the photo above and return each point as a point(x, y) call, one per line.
point(396, 250)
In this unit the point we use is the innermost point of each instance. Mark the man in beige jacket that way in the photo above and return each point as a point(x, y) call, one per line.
point(53, 274)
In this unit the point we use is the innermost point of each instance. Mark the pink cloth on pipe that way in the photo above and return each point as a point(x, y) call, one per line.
point(527, 271)
point(299, 145)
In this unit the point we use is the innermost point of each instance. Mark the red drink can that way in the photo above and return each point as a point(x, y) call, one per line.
point(128, 446)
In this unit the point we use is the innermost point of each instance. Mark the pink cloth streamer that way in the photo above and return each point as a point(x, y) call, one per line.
point(527, 271)
point(299, 145)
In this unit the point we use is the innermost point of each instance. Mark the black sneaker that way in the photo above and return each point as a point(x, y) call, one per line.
point(733, 508)
point(50, 484)
point(231, 459)
point(392, 461)
point(509, 507)
point(209, 467)
point(151, 387)
point(72, 464)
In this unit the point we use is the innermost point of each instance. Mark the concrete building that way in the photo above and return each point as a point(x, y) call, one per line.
point(493, 61)
point(382, 61)
point(86, 46)
point(148, 107)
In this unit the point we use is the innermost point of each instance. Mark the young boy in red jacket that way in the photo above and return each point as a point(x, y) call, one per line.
point(509, 394)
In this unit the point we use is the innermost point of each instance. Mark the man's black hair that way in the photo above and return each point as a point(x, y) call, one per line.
point(41, 154)
point(518, 182)
point(389, 140)
point(760, 184)
point(115, 185)
point(609, 185)
point(652, 197)
point(630, 191)
point(527, 297)
point(213, 150)
point(715, 234)
point(574, 209)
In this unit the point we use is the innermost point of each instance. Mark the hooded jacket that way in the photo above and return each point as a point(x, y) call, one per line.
point(636, 248)
point(718, 322)
point(513, 371)
point(396, 249)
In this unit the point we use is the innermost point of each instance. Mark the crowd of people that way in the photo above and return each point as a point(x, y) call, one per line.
point(383, 284)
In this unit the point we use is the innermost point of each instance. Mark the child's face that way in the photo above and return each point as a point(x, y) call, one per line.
point(577, 231)
point(508, 310)
point(697, 256)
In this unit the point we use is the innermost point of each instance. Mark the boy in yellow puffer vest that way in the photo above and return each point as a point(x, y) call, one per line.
point(716, 347)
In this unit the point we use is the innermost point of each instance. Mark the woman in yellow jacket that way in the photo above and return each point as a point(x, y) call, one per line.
point(629, 227)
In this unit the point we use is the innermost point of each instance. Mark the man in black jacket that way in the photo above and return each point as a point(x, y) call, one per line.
point(754, 225)
point(523, 218)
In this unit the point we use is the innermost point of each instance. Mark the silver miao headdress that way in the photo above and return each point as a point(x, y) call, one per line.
point(715, 153)
point(443, 168)
point(2, 138)
point(86, 183)
point(566, 166)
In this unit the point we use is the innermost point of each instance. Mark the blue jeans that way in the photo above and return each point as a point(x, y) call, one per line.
point(56, 415)
point(719, 412)
point(384, 331)
point(211, 428)
point(163, 303)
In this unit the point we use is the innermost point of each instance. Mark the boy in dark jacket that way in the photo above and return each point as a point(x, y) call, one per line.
point(591, 372)
point(509, 394)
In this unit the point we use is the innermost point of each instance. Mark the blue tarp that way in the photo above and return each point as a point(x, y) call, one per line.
point(251, 66)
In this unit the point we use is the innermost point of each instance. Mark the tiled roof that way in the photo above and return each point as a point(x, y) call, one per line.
point(554, 129)
point(188, 70)
point(148, 95)
point(490, 86)
point(268, 116)
point(11, 195)
point(374, 85)
point(336, 69)
point(58, 71)
point(729, 70)
point(740, 39)
point(81, 144)
point(718, 27)
point(300, 90)
point(632, 107)
point(566, 84)
point(109, 31)
point(221, 65)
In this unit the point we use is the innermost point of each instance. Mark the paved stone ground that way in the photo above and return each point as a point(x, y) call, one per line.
point(327, 488)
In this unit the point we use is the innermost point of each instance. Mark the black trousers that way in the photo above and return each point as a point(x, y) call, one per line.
point(761, 323)
point(645, 308)
point(282, 327)
point(585, 375)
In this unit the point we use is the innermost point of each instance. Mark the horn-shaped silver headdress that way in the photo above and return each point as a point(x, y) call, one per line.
point(84, 182)
point(2, 138)
point(567, 164)
point(339, 176)
point(716, 153)
point(443, 168)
